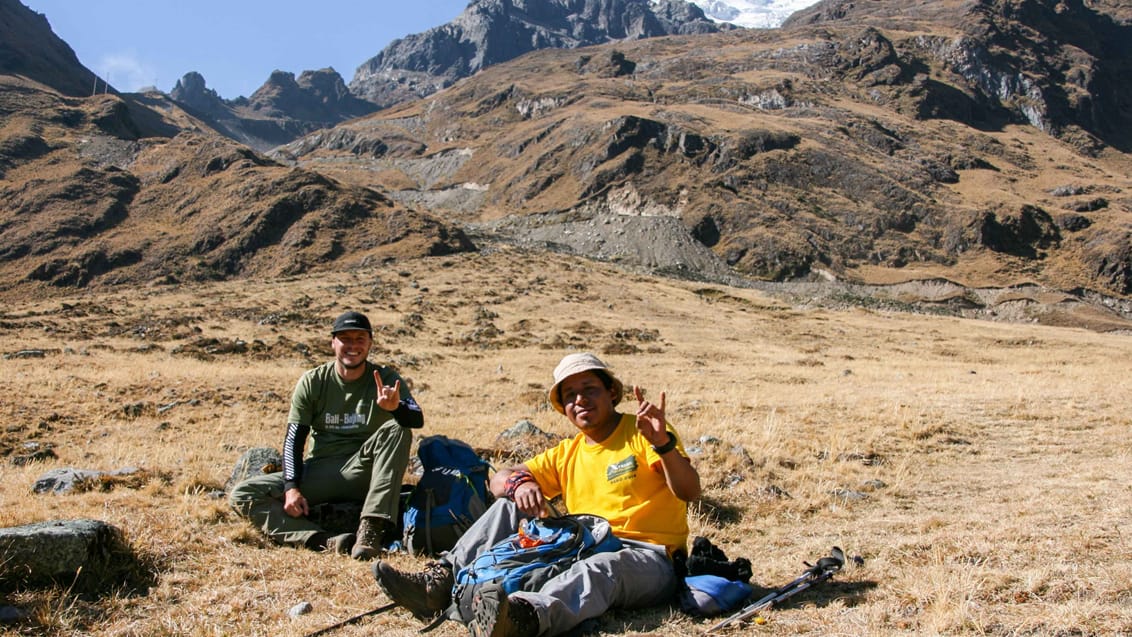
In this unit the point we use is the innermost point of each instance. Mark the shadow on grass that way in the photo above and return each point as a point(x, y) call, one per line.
point(620, 621)
point(716, 512)
point(83, 602)
point(851, 593)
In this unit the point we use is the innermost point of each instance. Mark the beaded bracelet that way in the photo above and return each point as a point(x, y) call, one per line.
point(516, 479)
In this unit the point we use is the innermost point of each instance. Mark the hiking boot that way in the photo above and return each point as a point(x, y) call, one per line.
point(495, 614)
point(424, 594)
point(341, 543)
point(371, 538)
point(323, 541)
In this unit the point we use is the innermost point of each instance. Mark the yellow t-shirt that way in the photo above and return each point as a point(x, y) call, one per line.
point(621, 480)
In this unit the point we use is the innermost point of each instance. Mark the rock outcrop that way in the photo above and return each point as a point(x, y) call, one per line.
point(279, 111)
point(316, 96)
point(490, 32)
point(881, 135)
point(88, 556)
point(1062, 67)
point(192, 93)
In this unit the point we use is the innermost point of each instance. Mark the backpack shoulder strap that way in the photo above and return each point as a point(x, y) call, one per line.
point(430, 502)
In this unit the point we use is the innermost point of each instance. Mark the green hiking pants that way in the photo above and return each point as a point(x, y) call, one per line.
point(372, 476)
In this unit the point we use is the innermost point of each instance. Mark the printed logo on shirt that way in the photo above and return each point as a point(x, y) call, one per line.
point(623, 470)
point(344, 421)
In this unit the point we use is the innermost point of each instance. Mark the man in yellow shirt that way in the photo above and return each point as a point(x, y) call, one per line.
point(629, 469)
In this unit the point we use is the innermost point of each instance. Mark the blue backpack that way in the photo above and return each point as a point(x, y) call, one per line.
point(526, 560)
point(711, 595)
point(449, 497)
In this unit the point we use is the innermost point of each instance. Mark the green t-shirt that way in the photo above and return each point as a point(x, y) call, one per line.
point(342, 415)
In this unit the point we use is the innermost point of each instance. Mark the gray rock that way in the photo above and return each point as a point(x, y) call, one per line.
point(524, 439)
point(300, 609)
point(848, 495)
point(27, 353)
point(523, 428)
point(68, 479)
point(33, 452)
point(63, 480)
point(90, 555)
point(254, 462)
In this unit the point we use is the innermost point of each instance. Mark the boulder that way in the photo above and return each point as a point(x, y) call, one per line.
point(89, 556)
point(524, 440)
point(256, 461)
point(67, 479)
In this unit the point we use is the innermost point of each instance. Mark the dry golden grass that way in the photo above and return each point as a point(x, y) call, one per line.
point(981, 469)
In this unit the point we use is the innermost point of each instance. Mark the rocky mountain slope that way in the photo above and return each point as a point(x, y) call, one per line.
point(487, 32)
point(30, 49)
point(982, 141)
point(83, 203)
point(1061, 67)
point(281, 110)
point(490, 32)
point(865, 143)
point(109, 189)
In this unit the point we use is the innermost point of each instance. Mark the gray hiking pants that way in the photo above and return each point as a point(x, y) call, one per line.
point(637, 576)
point(372, 476)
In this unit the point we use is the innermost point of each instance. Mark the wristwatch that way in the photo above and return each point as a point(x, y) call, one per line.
point(666, 447)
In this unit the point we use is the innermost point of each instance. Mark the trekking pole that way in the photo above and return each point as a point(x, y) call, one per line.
point(353, 620)
point(823, 570)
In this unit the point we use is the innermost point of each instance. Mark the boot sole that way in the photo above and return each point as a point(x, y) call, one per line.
point(426, 616)
point(485, 610)
point(492, 614)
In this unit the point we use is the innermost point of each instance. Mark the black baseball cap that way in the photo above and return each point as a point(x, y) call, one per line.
point(351, 321)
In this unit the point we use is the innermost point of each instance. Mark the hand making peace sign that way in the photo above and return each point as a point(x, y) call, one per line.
point(650, 418)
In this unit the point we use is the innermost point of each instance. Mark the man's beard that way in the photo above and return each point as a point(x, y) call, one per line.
point(354, 366)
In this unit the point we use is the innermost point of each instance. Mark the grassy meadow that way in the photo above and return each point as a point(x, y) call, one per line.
point(980, 469)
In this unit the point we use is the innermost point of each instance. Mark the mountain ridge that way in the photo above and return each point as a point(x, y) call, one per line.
point(489, 32)
point(283, 108)
point(131, 189)
point(837, 145)
point(851, 149)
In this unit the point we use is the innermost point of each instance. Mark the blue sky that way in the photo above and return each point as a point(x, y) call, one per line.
point(234, 44)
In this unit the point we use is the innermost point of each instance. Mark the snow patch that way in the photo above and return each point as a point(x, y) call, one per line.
point(754, 14)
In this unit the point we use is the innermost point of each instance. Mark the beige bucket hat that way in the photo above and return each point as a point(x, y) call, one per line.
point(576, 364)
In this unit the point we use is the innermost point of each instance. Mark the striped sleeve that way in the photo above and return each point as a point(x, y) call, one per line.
point(293, 445)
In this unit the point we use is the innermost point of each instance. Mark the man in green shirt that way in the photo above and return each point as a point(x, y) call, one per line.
point(358, 416)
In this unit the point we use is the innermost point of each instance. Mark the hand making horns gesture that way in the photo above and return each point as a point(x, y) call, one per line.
point(388, 398)
point(650, 418)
